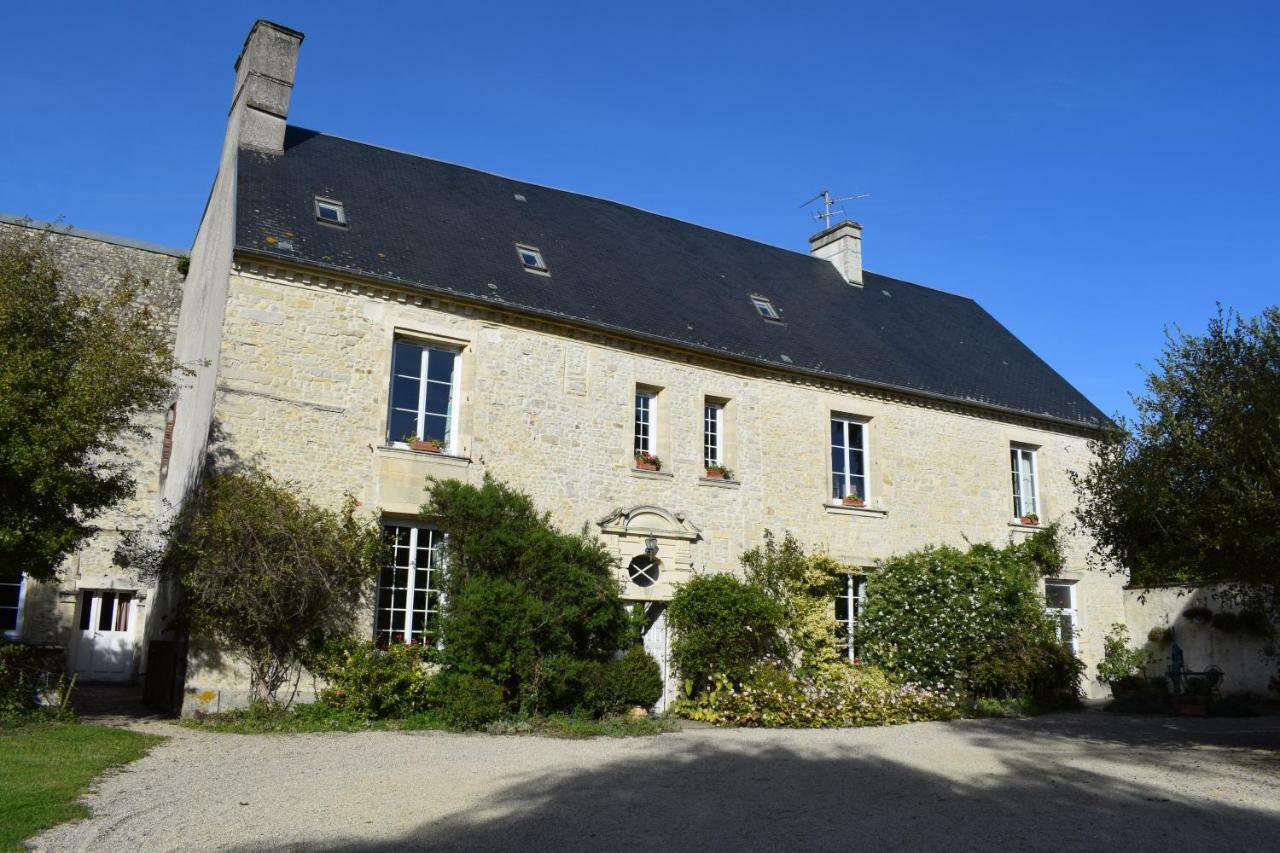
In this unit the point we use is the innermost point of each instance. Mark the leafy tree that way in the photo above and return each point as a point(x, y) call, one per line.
point(526, 606)
point(969, 619)
point(75, 371)
point(267, 576)
point(803, 585)
point(1188, 492)
point(723, 628)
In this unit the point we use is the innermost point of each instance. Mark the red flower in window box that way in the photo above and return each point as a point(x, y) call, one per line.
point(853, 500)
point(647, 461)
point(429, 445)
point(1030, 519)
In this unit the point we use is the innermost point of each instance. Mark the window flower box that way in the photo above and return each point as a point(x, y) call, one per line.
point(853, 500)
point(718, 472)
point(1030, 519)
point(646, 461)
point(427, 445)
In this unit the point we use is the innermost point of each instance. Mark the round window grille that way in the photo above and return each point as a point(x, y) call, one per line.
point(643, 570)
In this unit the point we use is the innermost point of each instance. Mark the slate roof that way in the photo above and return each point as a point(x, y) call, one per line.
point(452, 230)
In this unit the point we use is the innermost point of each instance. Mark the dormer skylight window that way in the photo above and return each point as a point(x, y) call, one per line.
point(331, 212)
point(766, 309)
point(531, 259)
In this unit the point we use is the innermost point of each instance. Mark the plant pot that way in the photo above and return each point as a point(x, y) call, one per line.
point(645, 466)
point(715, 475)
point(425, 445)
point(849, 500)
point(1029, 521)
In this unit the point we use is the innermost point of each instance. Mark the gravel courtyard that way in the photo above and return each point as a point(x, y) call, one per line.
point(1065, 782)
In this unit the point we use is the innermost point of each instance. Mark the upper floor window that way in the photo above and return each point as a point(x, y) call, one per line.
point(848, 459)
point(646, 422)
point(423, 393)
point(330, 211)
point(408, 606)
point(12, 588)
point(1026, 500)
point(1060, 602)
point(712, 433)
point(531, 259)
point(848, 608)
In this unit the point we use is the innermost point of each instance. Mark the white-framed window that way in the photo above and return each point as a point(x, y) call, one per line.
point(1026, 497)
point(105, 610)
point(712, 433)
point(848, 458)
point(764, 305)
point(424, 384)
point(331, 212)
point(848, 608)
point(646, 422)
point(13, 591)
point(531, 259)
point(1060, 602)
point(409, 597)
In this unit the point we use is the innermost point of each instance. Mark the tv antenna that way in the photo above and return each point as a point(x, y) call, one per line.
point(828, 201)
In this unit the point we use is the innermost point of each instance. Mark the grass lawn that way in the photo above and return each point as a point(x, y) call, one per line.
point(46, 767)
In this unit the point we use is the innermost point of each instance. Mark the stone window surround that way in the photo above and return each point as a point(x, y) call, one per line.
point(1020, 509)
point(1073, 611)
point(15, 632)
point(656, 424)
point(460, 431)
point(868, 464)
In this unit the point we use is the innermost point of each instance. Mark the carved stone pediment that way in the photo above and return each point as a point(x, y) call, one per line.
point(649, 520)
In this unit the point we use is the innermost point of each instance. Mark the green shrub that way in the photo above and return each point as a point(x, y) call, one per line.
point(1119, 659)
point(25, 672)
point(772, 698)
point(374, 683)
point(804, 586)
point(526, 606)
point(633, 680)
point(722, 626)
point(464, 701)
point(972, 620)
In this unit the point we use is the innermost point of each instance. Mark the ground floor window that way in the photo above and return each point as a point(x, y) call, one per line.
point(12, 588)
point(848, 608)
point(1060, 602)
point(408, 606)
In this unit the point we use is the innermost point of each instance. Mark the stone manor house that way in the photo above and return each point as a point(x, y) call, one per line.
point(363, 318)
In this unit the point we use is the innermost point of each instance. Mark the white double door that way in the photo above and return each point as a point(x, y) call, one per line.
point(655, 643)
point(104, 648)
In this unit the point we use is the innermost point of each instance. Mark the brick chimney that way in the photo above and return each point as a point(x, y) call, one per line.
point(842, 245)
point(264, 84)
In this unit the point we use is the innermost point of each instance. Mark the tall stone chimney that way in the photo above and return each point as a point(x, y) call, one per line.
point(264, 84)
point(842, 245)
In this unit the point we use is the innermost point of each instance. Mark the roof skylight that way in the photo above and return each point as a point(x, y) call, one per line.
point(765, 306)
point(531, 259)
point(330, 212)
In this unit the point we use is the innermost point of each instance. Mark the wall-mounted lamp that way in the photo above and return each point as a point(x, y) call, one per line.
point(651, 546)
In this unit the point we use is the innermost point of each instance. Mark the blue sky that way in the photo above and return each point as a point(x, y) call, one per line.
point(1089, 172)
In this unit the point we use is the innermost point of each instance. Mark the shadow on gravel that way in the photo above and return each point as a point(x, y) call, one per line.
point(729, 797)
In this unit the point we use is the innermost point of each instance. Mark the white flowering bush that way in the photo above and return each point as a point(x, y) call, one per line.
point(973, 620)
point(863, 696)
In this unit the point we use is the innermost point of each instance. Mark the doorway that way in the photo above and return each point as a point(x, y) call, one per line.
point(104, 648)
point(655, 643)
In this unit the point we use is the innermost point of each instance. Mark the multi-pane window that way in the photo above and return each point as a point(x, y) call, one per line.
point(646, 433)
point(11, 583)
point(103, 610)
point(423, 393)
point(1025, 497)
point(408, 608)
point(848, 459)
point(1060, 602)
point(765, 307)
point(848, 609)
point(712, 434)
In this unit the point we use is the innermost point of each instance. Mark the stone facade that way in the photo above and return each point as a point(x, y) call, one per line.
point(303, 391)
point(91, 263)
